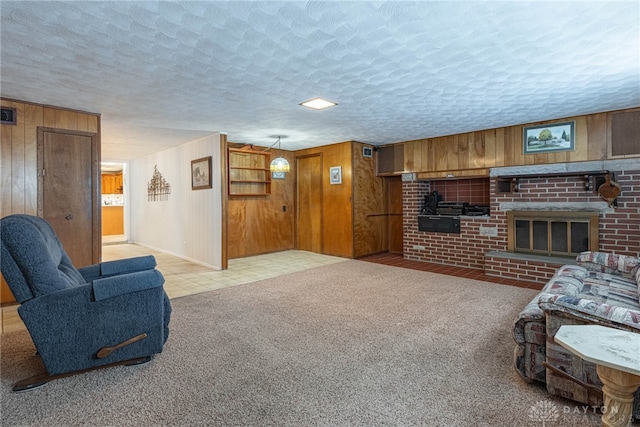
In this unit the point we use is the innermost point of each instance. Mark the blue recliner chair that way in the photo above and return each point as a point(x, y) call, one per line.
point(113, 313)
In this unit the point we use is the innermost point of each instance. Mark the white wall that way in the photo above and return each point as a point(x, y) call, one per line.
point(189, 223)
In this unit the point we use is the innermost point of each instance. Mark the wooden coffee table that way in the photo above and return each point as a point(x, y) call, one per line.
point(616, 354)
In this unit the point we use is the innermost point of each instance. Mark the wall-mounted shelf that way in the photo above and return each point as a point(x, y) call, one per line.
point(511, 183)
point(249, 173)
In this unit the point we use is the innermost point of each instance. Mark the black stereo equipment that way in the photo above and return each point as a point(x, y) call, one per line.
point(477, 210)
point(439, 224)
point(452, 208)
point(431, 203)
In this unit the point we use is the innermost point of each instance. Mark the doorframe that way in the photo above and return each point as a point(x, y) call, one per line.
point(96, 197)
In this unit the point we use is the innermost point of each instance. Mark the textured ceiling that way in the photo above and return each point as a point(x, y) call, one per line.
point(164, 73)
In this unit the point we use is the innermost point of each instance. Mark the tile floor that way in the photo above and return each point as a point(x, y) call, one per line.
point(183, 277)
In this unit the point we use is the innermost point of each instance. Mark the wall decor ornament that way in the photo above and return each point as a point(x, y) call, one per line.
point(201, 173)
point(548, 138)
point(335, 175)
point(158, 188)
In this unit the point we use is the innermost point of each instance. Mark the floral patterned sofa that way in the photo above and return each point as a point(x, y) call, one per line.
point(601, 289)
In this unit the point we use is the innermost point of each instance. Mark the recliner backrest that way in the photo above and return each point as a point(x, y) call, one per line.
point(34, 263)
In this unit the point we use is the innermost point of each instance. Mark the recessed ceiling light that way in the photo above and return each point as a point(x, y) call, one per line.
point(318, 103)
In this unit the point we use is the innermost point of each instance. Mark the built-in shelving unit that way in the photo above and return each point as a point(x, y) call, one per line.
point(249, 173)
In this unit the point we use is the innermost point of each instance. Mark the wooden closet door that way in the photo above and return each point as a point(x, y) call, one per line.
point(69, 191)
point(309, 203)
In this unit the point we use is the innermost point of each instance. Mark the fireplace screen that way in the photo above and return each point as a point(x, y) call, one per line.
point(553, 233)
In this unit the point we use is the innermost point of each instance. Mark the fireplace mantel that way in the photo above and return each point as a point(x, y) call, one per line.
point(575, 168)
point(556, 206)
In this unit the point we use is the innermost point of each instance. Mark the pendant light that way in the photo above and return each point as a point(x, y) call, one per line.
point(279, 164)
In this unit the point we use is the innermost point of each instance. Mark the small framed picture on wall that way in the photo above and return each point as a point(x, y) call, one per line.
point(335, 174)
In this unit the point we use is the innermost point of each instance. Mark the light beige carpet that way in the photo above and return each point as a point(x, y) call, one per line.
point(349, 344)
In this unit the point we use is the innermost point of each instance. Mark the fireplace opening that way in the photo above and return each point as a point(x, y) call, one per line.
point(552, 233)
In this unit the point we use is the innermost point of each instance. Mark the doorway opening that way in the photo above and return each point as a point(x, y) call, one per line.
point(113, 203)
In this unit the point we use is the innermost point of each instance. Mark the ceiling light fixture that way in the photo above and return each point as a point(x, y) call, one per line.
point(279, 164)
point(318, 103)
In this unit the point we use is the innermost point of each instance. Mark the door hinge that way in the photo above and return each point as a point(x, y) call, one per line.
point(43, 172)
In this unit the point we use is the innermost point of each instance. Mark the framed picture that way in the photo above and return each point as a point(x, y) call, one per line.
point(335, 174)
point(201, 173)
point(548, 138)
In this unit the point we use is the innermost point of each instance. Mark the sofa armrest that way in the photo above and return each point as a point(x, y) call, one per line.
point(591, 310)
point(605, 262)
point(529, 333)
point(122, 284)
point(120, 266)
point(530, 313)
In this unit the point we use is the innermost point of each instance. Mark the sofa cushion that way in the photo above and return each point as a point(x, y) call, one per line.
point(611, 289)
point(568, 280)
point(591, 310)
point(609, 263)
point(612, 297)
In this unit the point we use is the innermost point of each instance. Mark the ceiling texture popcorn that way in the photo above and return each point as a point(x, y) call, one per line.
point(165, 73)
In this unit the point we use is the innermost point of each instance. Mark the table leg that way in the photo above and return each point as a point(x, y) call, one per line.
point(618, 392)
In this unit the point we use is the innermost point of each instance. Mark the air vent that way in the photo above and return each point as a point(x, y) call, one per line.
point(625, 133)
point(8, 116)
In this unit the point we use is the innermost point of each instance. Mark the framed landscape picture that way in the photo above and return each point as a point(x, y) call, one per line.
point(548, 138)
point(201, 173)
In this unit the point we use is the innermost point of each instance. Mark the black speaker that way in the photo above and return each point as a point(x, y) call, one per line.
point(431, 202)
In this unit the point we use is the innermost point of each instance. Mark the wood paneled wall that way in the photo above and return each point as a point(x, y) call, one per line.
point(263, 224)
point(473, 153)
point(19, 175)
point(353, 214)
point(337, 202)
point(18, 151)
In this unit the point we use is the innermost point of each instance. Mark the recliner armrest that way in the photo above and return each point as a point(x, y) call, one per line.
point(109, 287)
point(120, 266)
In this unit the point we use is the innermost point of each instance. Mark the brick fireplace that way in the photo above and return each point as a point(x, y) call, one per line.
point(483, 242)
